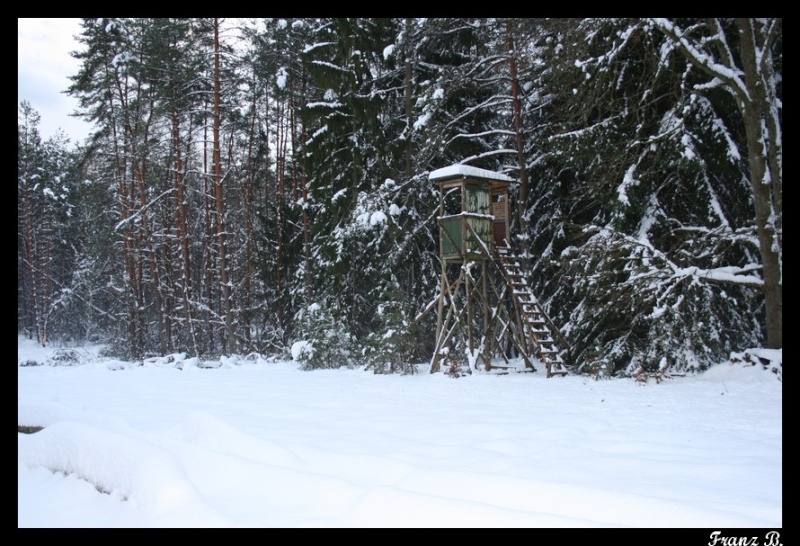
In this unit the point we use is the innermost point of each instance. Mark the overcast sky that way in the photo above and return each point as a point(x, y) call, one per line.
point(43, 69)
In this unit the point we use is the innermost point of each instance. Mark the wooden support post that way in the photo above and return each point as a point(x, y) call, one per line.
point(487, 344)
point(470, 344)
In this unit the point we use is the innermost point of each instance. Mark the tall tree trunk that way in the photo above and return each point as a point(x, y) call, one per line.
point(248, 228)
point(183, 233)
point(756, 113)
point(283, 131)
point(522, 206)
point(31, 259)
point(407, 97)
point(139, 173)
point(43, 292)
point(125, 196)
point(220, 206)
point(306, 222)
point(208, 270)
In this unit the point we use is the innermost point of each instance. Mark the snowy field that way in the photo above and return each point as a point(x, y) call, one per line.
point(264, 444)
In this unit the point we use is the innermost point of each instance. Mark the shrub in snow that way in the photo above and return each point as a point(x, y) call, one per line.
point(65, 357)
point(325, 340)
point(391, 345)
point(302, 350)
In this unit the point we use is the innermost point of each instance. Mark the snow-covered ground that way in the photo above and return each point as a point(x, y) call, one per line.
point(252, 443)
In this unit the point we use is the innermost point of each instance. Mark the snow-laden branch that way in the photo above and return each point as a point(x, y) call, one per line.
point(491, 102)
point(770, 35)
point(727, 73)
point(138, 213)
point(609, 57)
point(312, 47)
point(583, 131)
point(724, 49)
point(741, 275)
point(331, 66)
point(727, 274)
point(491, 153)
point(481, 134)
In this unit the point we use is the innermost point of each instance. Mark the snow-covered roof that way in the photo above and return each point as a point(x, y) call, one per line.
point(465, 170)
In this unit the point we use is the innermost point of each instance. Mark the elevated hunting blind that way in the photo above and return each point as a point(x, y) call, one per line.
point(471, 204)
point(485, 307)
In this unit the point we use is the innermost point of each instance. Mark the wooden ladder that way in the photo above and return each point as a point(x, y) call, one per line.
point(539, 327)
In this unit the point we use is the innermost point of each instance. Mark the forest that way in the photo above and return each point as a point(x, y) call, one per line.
point(255, 183)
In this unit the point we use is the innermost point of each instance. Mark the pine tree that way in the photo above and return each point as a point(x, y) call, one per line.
point(649, 195)
point(744, 57)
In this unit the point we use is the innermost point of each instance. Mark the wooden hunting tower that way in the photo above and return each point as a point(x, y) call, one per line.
point(485, 306)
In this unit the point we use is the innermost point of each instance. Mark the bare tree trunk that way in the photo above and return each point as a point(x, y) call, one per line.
point(208, 262)
point(183, 233)
point(125, 196)
point(283, 132)
point(139, 174)
point(306, 223)
point(296, 177)
point(522, 206)
point(220, 206)
point(43, 269)
point(31, 259)
point(248, 228)
point(408, 97)
point(763, 180)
